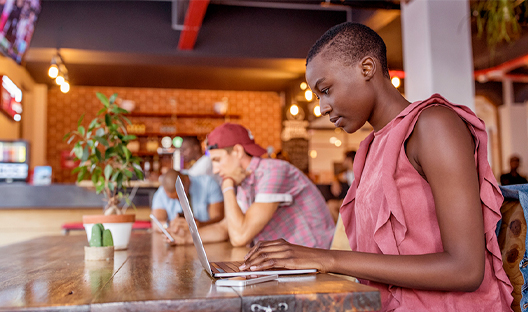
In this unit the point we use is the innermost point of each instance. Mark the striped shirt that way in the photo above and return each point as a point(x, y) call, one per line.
point(302, 216)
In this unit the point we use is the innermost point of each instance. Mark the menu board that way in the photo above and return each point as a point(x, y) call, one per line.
point(297, 150)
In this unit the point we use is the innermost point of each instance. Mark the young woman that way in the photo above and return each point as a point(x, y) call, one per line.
point(421, 213)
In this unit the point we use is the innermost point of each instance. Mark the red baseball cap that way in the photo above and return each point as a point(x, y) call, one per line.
point(230, 134)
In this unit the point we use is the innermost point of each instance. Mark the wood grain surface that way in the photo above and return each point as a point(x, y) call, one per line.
point(50, 274)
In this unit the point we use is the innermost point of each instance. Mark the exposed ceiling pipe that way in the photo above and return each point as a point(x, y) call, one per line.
point(500, 72)
point(193, 21)
point(294, 6)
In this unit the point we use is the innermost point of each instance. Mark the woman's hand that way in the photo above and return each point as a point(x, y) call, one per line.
point(280, 254)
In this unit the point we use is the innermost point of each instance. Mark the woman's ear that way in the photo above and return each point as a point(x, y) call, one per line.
point(368, 67)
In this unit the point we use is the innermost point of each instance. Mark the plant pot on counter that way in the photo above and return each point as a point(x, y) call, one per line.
point(119, 225)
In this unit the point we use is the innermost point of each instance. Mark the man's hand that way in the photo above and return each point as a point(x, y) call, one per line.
point(179, 229)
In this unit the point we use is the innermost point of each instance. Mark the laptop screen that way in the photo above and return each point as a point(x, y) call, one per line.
point(197, 240)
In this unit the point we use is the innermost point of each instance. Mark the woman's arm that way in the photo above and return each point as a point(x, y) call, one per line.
point(441, 149)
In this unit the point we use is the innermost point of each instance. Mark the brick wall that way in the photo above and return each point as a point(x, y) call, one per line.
point(259, 111)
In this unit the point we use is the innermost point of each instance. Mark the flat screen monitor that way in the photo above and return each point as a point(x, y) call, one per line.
point(14, 161)
point(17, 23)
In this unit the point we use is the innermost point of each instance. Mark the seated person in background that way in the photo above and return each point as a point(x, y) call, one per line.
point(195, 162)
point(346, 176)
point(339, 186)
point(513, 177)
point(205, 195)
point(264, 198)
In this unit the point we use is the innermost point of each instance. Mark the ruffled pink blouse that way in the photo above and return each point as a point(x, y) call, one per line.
point(389, 209)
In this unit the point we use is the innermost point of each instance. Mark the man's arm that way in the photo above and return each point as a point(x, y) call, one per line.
point(212, 233)
point(216, 214)
point(161, 215)
point(241, 227)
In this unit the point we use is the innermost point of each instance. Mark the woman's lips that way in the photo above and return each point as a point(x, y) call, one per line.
point(336, 121)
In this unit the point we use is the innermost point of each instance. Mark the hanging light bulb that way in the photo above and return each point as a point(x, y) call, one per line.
point(317, 110)
point(65, 87)
point(395, 81)
point(60, 79)
point(308, 95)
point(294, 110)
point(53, 70)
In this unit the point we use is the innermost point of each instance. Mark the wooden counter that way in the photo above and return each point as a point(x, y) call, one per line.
point(50, 274)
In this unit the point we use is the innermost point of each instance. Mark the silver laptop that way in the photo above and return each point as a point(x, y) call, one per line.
point(221, 269)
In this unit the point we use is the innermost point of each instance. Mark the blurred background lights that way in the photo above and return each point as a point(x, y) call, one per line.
point(304, 85)
point(294, 110)
point(177, 142)
point(65, 87)
point(53, 71)
point(313, 153)
point(337, 143)
point(333, 140)
point(308, 95)
point(166, 142)
point(59, 80)
point(396, 82)
point(317, 110)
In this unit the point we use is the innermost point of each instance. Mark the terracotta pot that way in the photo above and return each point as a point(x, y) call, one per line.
point(119, 225)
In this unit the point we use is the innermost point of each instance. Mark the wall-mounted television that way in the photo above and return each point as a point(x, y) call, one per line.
point(14, 160)
point(17, 23)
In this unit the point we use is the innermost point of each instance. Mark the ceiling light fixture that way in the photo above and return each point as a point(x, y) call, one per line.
point(59, 72)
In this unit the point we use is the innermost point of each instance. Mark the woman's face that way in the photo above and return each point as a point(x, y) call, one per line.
point(342, 91)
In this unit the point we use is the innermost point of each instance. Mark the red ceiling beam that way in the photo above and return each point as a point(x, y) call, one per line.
point(193, 21)
point(501, 72)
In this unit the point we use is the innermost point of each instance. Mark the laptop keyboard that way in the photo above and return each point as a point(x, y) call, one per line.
point(225, 267)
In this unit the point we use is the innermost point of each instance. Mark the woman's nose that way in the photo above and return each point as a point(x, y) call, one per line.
point(325, 108)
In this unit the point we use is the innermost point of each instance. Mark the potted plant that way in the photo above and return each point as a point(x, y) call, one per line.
point(101, 245)
point(104, 157)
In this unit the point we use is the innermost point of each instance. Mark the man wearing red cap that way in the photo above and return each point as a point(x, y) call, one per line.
point(264, 198)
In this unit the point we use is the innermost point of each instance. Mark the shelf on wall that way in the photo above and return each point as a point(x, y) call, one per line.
point(159, 134)
point(182, 115)
point(146, 153)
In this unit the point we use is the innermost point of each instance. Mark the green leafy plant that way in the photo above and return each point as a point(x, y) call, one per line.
point(104, 157)
point(499, 19)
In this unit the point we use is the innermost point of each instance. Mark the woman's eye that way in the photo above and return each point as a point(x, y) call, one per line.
point(325, 91)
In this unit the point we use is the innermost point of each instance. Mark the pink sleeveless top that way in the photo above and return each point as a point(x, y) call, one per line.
point(389, 209)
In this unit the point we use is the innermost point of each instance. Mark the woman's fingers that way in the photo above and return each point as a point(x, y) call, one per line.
point(281, 254)
point(262, 244)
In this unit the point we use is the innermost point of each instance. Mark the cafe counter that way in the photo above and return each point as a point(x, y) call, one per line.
point(29, 211)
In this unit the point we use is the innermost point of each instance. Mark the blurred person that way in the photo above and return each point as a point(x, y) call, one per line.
point(513, 177)
point(205, 198)
point(346, 176)
point(422, 211)
point(196, 162)
point(264, 198)
point(340, 184)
